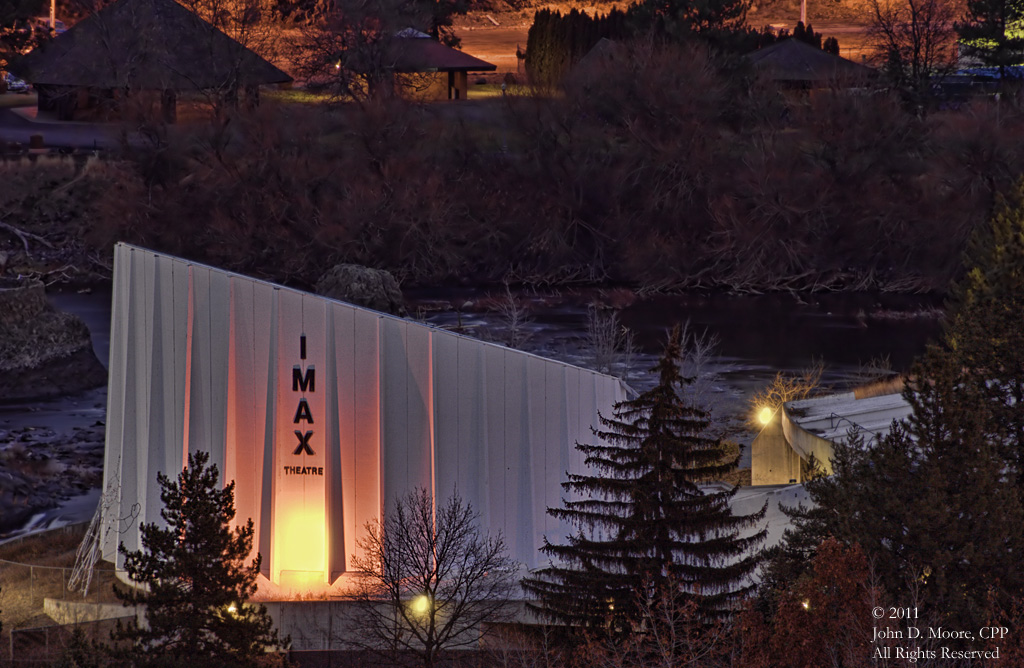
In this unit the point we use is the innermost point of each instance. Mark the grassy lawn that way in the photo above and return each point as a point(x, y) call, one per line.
point(481, 91)
point(295, 96)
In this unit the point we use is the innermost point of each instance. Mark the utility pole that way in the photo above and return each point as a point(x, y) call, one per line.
point(803, 11)
point(53, 15)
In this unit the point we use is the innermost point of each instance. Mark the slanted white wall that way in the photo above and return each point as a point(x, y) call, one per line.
point(202, 359)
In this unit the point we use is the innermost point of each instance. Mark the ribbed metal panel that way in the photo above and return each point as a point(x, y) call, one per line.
point(202, 359)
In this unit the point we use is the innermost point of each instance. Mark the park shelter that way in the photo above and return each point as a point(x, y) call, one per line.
point(796, 64)
point(415, 52)
point(132, 47)
point(803, 432)
point(322, 413)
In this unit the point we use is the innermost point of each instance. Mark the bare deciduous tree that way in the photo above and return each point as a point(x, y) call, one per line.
point(784, 388)
point(430, 581)
point(610, 343)
point(515, 319)
point(670, 634)
point(354, 52)
point(916, 39)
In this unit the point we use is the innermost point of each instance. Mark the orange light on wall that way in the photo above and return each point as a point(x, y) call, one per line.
point(302, 582)
point(299, 544)
point(300, 517)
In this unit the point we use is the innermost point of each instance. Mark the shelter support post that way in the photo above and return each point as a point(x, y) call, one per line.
point(252, 96)
point(169, 106)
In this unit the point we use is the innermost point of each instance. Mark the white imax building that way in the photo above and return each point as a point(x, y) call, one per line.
point(322, 412)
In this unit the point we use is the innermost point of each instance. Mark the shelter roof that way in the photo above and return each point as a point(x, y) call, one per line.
point(831, 417)
point(413, 51)
point(606, 50)
point(793, 60)
point(147, 44)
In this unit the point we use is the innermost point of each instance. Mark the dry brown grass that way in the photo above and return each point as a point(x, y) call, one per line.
point(41, 568)
point(739, 477)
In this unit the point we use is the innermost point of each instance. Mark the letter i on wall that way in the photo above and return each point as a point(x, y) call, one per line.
point(299, 545)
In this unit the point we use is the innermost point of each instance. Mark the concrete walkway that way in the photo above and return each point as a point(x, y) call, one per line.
point(18, 124)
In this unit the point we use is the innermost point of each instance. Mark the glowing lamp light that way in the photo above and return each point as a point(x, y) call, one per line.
point(232, 608)
point(806, 605)
point(421, 604)
point(764, 416)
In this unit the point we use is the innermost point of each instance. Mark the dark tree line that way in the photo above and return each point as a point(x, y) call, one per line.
point(674, 168)
point(557, 41)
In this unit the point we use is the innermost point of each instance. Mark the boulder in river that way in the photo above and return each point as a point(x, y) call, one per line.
point(43, 352)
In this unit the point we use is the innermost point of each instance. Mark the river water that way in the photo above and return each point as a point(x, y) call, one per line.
point(756, 337)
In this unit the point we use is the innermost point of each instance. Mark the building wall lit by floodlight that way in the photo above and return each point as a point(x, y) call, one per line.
point(322, 412)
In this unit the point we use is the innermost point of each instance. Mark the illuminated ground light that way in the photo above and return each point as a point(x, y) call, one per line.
point(421, 604)
point(764, 416)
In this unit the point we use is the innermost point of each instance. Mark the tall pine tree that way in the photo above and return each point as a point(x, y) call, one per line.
point(644, 521)
point(196, 582)
point(984, 337)
point(991, 31)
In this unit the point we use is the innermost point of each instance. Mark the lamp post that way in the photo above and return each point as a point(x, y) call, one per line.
point(53, 15)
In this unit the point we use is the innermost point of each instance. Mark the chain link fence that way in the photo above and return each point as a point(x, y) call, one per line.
point(29, 636)
point(45, 645)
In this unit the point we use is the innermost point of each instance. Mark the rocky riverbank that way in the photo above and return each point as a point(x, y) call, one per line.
point(40, 468)
point(43, 352)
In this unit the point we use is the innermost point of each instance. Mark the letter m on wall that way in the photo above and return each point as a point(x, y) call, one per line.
point(305, 383)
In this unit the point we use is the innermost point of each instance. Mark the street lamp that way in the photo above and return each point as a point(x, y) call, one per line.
point(421, 605)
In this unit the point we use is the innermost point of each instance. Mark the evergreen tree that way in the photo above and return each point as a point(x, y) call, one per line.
point(956, 463)
point(800, 32)
point(937, 470)
point(643, 519)
point(991, 31)
point(807, 35)
point(196, 581)
point(556, 41)
point(984, 337)
point(716, 21)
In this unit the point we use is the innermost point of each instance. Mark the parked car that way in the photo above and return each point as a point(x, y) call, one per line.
point(43, 22)
point(15, 85)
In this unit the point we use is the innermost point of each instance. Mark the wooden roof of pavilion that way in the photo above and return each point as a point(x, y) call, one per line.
point(795, 61)
point(146, 44)
point(413, 51)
